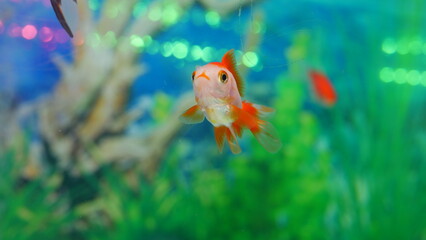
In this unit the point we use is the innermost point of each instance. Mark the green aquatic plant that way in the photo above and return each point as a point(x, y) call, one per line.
point(30, 208)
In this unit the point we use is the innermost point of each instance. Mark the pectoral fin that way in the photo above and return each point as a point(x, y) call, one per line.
point(192, 115)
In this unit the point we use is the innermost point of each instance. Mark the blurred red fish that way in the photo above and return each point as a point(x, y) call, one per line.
point(322, 88)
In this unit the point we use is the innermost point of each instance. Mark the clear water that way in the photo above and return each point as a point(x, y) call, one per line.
point(91, 145)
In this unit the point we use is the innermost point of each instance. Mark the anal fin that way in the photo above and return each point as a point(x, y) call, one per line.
point(232, 140)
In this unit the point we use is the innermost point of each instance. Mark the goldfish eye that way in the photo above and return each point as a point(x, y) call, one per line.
point(223, 77)
point(193, 75)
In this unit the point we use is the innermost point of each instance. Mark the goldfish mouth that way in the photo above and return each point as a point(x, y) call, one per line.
point(204, 76)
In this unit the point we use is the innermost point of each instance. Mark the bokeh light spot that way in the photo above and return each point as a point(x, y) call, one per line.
point(170, 15)
point(109, 39)
point(167, 49)
point(196, 52)
point(389, 46)
point(403, 47)
point(238, 56)
point(94, 4)
point(1, 26)
point(212, 18)
point(413, 77)
point(400, 76)
point(147, 40)
point(112, 12)
point(258, 27)
point(416, 46)
point(139, 8)
point(29, 32)
point(250, 59)
point(386, 74)
point(61, 36)
point(207, 55)
point(155, 14)
point(180, 50)
point(94, 40)
point(136, 41)
point(45, 34)
point(14, 30)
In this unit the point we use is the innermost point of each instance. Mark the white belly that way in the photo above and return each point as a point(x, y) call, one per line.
point(219, 115)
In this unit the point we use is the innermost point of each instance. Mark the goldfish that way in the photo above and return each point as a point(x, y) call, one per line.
point(322, 89)
point(56, 4)
point(218, 89)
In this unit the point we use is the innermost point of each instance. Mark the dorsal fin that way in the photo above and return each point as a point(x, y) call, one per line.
point(228, 61)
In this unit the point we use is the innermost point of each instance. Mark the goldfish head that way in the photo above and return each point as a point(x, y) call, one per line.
point(218, 82)
point(213, 81)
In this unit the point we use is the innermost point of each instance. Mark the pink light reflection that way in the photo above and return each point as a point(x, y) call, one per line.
point(29, 32)
point(61, 36)
point(1, 26)
point(45, 34)
point(14, 30)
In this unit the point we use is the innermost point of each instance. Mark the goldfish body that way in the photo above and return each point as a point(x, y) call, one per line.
point(218, 90)
point(322, 88)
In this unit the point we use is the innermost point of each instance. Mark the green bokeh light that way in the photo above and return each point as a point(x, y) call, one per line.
point(386, 74)
point(389, 46)
point(136, 41)
point(258, 27)
point(170, 15)
point(167, 49)
point(155, 14)
point(238, 56)
point(403, 47)
point(109, 39)
point(94, 4)
point(196, 52)
point(212, 18)
point(400, 76)
point(180, 50)
point(147, 40)
point(139, 8)
point(413, 77)
point(112, 12)
point(416, 46)
point(94, 40)
point(250, 59)
point(208, 54)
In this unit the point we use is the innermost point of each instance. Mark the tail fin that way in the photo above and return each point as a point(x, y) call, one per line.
point(267, 136)
point(249, 117)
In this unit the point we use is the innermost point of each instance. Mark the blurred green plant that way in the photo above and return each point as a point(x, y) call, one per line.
point(161, 108)
point(30, 209)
